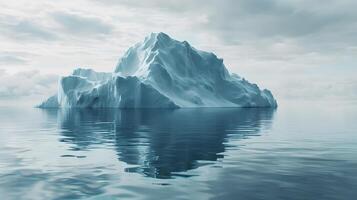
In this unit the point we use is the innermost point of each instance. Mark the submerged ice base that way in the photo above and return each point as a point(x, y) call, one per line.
point(160, 72)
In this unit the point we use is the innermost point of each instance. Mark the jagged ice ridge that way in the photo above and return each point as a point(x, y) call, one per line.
point(160, 72)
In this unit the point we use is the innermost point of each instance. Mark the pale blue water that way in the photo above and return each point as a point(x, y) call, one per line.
point(299, 151)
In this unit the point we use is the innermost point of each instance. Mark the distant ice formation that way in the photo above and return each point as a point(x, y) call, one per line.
point(160, 72)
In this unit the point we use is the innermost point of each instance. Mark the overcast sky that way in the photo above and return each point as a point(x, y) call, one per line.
point(298, 48)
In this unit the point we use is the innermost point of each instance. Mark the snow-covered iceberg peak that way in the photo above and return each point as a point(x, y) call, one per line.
point(161, 72)
point(158, 50)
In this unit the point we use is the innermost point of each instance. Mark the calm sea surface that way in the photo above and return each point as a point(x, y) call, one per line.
point(298, 151)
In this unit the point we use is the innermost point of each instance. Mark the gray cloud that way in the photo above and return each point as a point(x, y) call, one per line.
point(282, 45)
point(78, 24)
point(234, 21)
point(15, 58)
point(317, 87)
point(23, 29)
point(11, 59)
point(26, 83)
point(273, 19)
point(169, 5)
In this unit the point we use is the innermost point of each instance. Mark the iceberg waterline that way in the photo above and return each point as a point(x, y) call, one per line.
point(160, 72)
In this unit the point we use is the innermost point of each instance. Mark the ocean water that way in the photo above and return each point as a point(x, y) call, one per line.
point(298, 151)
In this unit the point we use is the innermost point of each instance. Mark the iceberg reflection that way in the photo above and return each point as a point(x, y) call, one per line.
point(157, 142)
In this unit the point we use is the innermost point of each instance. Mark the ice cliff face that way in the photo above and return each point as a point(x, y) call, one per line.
point(160, 72)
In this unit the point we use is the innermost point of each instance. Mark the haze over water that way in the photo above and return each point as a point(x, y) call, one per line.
point(298, 151)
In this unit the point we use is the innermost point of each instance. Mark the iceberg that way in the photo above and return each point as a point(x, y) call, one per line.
point(160, 72)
